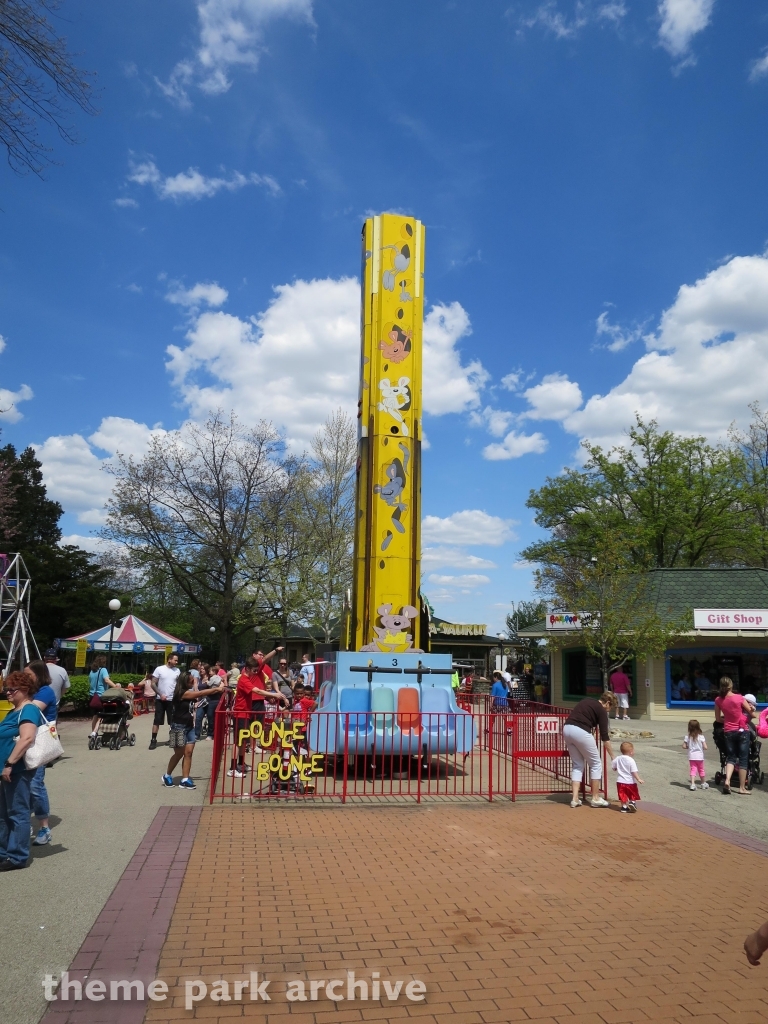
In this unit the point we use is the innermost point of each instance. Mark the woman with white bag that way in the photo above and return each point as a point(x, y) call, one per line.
point(45, 699)
point(18, 732)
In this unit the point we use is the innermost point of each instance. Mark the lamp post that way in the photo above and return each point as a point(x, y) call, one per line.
point(501, 652)
point(114, 607)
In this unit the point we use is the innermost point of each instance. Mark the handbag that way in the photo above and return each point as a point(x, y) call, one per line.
point(47, 746)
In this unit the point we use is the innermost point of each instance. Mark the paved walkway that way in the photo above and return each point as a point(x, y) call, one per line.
point(505, 913)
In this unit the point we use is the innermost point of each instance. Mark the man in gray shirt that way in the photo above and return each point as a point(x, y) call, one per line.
point(59, 678)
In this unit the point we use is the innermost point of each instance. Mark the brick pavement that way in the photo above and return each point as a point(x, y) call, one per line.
point(506, 913)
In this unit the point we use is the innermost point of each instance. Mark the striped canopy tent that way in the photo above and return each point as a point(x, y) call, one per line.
point(131, 636)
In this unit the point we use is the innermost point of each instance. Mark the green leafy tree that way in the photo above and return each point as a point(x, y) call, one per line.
point(750, 449)
point(672, 500)
point(527, 613)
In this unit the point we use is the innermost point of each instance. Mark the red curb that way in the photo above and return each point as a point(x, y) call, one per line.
point(728, 835)
point(127, 937)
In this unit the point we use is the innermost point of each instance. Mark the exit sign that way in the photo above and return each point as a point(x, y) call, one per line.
point(548, 725)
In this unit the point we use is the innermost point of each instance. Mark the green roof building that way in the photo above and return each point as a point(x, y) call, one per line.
point(730, 637)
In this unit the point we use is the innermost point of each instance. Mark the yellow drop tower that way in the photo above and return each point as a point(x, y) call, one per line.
point(385, 601)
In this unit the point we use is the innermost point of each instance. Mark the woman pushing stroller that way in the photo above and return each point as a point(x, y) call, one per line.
point(734, 712)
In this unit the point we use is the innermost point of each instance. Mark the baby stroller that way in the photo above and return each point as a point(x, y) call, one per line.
point(112, 732)
point(754, 774)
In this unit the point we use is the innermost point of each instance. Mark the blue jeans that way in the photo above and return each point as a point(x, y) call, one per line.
point(15, 799)
point(41, 808)
point(206, 712)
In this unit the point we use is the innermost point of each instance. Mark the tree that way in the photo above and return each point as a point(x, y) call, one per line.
point(620, 618)
point(750, 450)
point(331, 507)
point(190, 509)
point(527, 613)
point(672, 500)
point(69, 590)
point(38, 76)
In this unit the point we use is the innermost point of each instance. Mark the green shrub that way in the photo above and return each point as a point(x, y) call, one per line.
point(78, 693)
point(125, 678)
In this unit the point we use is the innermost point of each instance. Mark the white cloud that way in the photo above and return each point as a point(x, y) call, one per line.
point(620, 337)
point(681, 20)
point(207, 293)
point(453, 558)
point(553, 20)
point(191, 184)
point(495, 420)
point(554, 399)
point(293, 364)
point(515, 445)
point(511, 382)
point(231, 35)
point(85, 541)
point(759, 68)
point(9, 400)
point(705, 364)
point(471, 580)
point(73, 470)
point(126, 202)
point(472, 526)
point(448, 385)
point(613, 11)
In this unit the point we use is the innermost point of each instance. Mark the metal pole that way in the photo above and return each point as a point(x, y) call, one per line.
point(111, 634)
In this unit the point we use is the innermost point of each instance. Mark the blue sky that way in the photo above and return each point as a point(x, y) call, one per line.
point(591, 174)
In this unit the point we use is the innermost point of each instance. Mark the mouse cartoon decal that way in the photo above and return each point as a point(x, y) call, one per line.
point(398, 257)
point(391, 635)
point(398, 347)
point(391, 492)
point(395, 400)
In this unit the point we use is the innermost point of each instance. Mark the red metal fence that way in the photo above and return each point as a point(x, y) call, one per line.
point(501, 753)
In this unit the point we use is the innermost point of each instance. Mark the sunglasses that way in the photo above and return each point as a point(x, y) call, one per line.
point(15, 689)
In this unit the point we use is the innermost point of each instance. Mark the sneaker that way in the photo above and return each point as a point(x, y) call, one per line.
point(575, 803)
point(616, 717)
point(31, 833)
point(43, 837)
point(704, 785)
point(233, 773)
point(623, 808)
point(168, 781)
point(632, 807)
point(187, 784)
point(153, 743)
point(599, 802)
point(244, 768)
point(92, 735)
point(693, 787)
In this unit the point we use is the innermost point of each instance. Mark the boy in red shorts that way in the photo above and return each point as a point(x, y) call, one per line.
point(627, 778)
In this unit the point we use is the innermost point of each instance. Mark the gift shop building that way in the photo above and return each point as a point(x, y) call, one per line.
point(729, 638)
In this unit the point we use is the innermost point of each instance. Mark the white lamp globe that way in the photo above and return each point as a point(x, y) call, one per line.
point(114, 605)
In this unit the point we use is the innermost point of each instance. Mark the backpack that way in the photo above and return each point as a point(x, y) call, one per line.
point(762, 725)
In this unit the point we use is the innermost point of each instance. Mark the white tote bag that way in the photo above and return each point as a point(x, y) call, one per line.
point(47, 746)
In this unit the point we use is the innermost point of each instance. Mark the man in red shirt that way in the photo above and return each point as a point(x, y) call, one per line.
point(621, 685)
point(249, 705)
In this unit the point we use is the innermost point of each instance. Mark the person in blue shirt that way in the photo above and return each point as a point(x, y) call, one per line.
point(17, 734)
point(45, 700)
point(499, 692)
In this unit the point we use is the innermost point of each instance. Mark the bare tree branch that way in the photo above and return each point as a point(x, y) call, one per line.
point(38, 82)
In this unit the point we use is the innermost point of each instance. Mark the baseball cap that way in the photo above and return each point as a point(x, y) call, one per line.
point(51, 653)
point(750, 697)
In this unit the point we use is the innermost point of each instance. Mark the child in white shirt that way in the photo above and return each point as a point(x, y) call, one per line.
point(695, 744)
point(627, 778)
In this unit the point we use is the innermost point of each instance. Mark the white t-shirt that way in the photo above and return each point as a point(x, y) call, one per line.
point(166, 680)
point(307, 673)
point(624, 765)
point(695, 747)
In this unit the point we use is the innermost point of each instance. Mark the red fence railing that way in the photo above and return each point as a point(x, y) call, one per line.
point(373, 755)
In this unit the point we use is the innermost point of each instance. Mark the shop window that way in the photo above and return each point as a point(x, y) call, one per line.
point(693, 676)
point(583, 676)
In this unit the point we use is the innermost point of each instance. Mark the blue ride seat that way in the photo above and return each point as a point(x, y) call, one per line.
point(438, 719)
point(355, 701)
